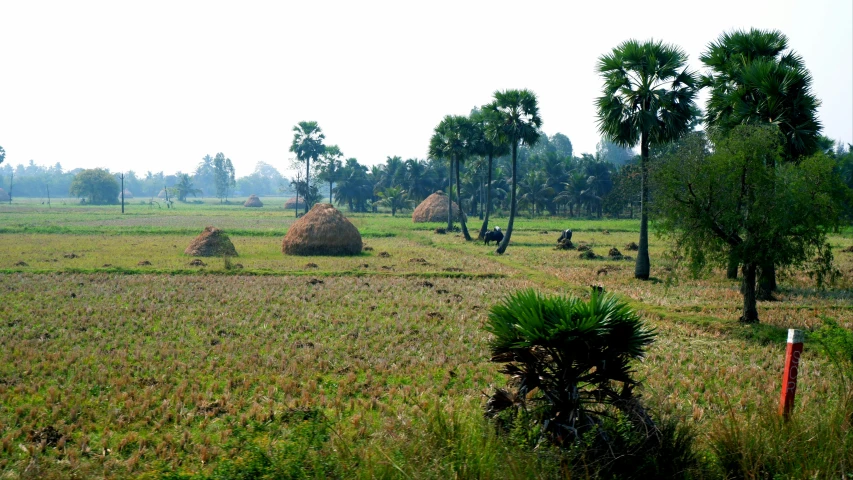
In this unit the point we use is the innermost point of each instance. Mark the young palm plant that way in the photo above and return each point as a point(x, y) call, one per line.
point(569, 362)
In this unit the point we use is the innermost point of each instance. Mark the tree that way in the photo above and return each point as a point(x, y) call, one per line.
point(569, 361)
point(734, 201)
point(452, 140)
point(394, 198)
point(534, 191)
point(223, 173)
point(331, 166)
point(648, 98)
point(562, 145)
point(307, 145)
point(418, 179)
point(489, 144)
point(516, 122)
point(753, 81)
point(2, 154)
point(97, 186)
point(185, 187)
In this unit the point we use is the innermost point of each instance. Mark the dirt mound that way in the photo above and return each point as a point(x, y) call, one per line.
point(434, 209)
point(212, 242)
point(384, 254)
point(4, 197)
point(71, 255)
point(588, 254)
point(632, 246)
point(441, 231)
point(311, 265)
point(367, 249)
point(49, 435)
point(848, 249)
point(291, 204)
point(606, 232)
point(143, 263)
point(614, 252)
point(197, 263)
point(253, 201)
point(565, 245)
point(322, 231)
point(582, 247)
point(22, 264)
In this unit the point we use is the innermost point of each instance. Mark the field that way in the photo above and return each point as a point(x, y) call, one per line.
point(110, 368)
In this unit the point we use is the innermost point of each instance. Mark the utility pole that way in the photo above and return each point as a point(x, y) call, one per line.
point(11, 180)
point(122, 193)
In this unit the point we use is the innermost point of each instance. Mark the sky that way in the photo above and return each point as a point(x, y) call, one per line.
point(154, 86)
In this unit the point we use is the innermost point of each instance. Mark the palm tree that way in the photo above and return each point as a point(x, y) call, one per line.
point(394, 198)
point(534, 190)
point(490, 145)
point(516, 120)
point(307, 145)
point(185, 187)
point(331, 168)
point(753, 80)
point(452, 140)
point(648, 98)
point(416, 179)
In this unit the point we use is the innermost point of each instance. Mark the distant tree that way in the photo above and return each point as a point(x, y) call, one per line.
point(394, 198)
point(330, 167)
point(417, 179)
point(185, 187)
point(734, 201)
point(97, 186)
point(534, 191)
point(516, 122)
point(223, 171)
point(307, 145)
point(205, 175)
point(309, 192)
point(2, 154)
point(562, 145)
point(452, 140)
point(612, 152)
point(354, 188)
point(648, 98)
point(488, 143)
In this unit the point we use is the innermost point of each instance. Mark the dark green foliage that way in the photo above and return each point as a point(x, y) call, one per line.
point(753, 80)
point(97, 186)
point(223, 176)
point(307, 145)
point(185, 187)
point(568, 361)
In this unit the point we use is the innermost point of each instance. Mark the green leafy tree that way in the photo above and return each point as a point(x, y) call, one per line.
point(97, 186)
point(394, 198)
point(331, 166)
point(185, 187)
point(307, 145)
point(223, 175)
point(516, 122)
point(648, 98)
point(569, 362)
point(734, 201)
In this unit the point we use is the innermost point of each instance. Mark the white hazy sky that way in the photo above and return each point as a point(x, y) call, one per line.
point(157, 85)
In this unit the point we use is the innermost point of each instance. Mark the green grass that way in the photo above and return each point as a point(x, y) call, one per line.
point(202, 370)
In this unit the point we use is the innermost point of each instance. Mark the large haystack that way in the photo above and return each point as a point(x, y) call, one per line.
point(322, 231)
point(434, 209)
point(253, 201)
point(212, 242)
point(4, 197)
point(291, 204)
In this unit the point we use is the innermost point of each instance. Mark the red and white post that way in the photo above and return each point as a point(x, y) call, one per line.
point(789, 375)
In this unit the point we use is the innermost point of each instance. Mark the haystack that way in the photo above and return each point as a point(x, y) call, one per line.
point(4, 197)
point(162, 194)
point(127, 194)
point(434, 209)
point(212, 242)
point(253, 201)
point(291, 204)
point(322, 231)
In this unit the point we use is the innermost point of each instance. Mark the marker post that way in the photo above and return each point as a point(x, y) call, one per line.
point(789, 376)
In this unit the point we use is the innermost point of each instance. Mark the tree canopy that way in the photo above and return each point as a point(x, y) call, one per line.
point(97, 186)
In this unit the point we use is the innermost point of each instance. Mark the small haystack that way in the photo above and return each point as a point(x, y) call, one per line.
point(212, 242)
point(127, 194)
point(291, 204)
point(253, 201)
point(162, 194)
point(4, 197)
point(322, 231)
point(434, 209)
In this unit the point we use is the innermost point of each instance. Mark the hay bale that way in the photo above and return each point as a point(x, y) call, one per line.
point(434, 209)
point(4, 197)
point(322, 231)
point(212, 242)
point(253, 201)
point(291, 204)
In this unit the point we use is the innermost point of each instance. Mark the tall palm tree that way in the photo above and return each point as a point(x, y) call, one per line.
point(489, 144)
point(331, 168)
point(307, 145)
point(516, 122)
point(754, 80)
point(452, 140)
point(648, 98)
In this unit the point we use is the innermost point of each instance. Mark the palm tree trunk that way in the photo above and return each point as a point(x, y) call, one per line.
point(643, 266)
point(307, 176)
point(512, 201)
point(450, 197)
point(750, 312)
point(488, 203)
point(330, 193)
point(459, 202)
